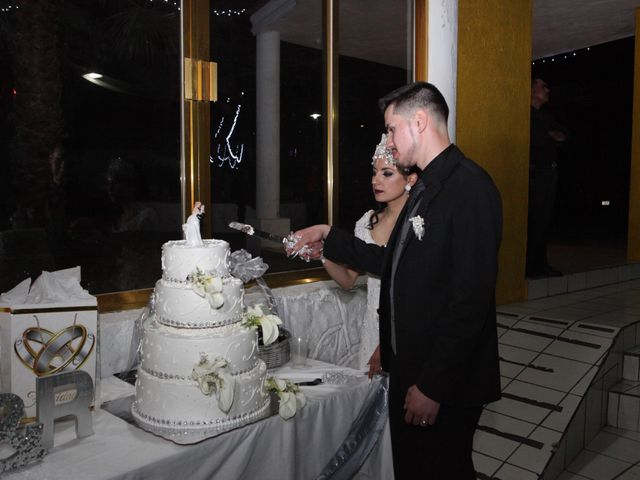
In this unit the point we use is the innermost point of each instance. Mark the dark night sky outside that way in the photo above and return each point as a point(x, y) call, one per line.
point(592, 95)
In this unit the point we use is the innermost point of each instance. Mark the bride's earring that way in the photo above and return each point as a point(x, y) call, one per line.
point(407, 188)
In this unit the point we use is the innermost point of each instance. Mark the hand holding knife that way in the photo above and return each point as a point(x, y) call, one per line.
point(306, 253)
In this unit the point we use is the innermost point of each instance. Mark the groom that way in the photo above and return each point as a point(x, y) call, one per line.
point(437, 300)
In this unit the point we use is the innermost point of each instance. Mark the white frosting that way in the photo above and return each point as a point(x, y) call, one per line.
point(177, 304)
point(185, 327)
point(173, 352)
point(180, 405)
point(179, 259)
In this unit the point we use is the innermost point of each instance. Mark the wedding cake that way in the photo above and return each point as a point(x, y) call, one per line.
point(200, 374)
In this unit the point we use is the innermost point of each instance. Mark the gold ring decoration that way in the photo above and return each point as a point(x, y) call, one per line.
point(45, 352)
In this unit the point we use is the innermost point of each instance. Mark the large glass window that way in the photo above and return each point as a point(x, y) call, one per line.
point(375, 58)
point(268, 119)
point(90, 128)
point(90, 148)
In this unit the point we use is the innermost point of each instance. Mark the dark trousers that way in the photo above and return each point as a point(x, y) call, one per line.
point(542, 196)
point(438, 452)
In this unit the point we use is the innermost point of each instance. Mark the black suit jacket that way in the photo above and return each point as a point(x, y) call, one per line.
point(444, 290)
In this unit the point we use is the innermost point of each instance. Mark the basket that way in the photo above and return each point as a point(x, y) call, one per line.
point(278, 352)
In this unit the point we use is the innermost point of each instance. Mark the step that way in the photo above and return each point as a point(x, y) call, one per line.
point(624, 405)
point(631, 364)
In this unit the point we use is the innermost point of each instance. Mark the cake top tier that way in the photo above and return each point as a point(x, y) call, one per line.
point(179, 259)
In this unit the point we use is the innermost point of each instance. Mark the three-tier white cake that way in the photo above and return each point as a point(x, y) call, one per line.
point(200, 374)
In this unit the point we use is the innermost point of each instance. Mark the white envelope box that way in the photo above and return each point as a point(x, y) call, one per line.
point(38, 340)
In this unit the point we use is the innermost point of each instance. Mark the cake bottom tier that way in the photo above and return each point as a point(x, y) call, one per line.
point(179, 411)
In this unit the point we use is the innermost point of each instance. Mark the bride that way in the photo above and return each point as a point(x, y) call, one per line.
point(391, 187)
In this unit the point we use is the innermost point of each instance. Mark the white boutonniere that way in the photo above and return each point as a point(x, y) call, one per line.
point(214, 377)
point(417, 223)
point(290, 398)
point(254, 317)
point(207, 286)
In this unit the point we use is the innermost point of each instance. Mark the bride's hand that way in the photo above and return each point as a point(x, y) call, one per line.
point(375, 366)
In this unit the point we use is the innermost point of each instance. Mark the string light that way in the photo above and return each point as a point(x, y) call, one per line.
point(562, 56)
point(219, 13)
point(227, 153)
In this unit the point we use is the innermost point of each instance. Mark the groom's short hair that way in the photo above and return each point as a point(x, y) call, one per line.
point(416, 95)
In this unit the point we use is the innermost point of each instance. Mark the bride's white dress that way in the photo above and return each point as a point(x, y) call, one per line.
point(369, 334)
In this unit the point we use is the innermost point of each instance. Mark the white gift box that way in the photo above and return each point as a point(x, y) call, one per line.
point(45, 338)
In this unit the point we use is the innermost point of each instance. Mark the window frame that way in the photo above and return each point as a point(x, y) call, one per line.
point(195, 121)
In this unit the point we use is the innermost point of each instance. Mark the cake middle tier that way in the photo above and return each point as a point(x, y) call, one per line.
point(172, 353)
point(177, 304)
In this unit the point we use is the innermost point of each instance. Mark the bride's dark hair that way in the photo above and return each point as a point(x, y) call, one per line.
point(380, 206)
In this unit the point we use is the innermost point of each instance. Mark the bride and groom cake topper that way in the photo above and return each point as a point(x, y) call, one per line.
point(191, 229)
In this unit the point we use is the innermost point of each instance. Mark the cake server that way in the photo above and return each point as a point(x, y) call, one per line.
point(249, 230)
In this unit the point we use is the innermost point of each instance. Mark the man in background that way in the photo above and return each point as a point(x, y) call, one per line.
point(546, 136)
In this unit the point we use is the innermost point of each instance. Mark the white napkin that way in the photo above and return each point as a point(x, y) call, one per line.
point(49, 287)
point(18, 294)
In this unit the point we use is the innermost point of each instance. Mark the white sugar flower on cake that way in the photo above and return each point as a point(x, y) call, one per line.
point(291, 399)
point(254, 317)
point(207, 286)
point(214, 377)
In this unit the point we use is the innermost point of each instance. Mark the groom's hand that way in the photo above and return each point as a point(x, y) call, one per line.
point(420, 409)
point(311, 237)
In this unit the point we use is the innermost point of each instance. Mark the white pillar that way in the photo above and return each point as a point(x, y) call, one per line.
point(268, 133)
point(443, 53)
point(268, 124)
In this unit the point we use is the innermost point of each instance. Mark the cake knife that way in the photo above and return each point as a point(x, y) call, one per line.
point(289, 241)
point(249, 230)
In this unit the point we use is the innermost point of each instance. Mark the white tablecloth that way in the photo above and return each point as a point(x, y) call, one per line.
point(272, 448)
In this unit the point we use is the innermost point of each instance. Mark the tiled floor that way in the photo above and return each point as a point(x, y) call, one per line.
point(561, 352)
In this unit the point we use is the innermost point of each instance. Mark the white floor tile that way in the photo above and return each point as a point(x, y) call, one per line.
point(560, 420)
point(560, 373)
point(492, 443)
point(585, 382)
point(596, 466)
point(484, 464)
point(628, 412)
point(514, 359)
point(612, 409)
point(579, 346)
point(535, 459)
point(630, 369)
point(571, 476)
point(533, 403)
point(616, 446)
point(631, 434)
point(537, 365)
point(632, 474)
point(511, 472)
point(586, 326)
point(494, 446)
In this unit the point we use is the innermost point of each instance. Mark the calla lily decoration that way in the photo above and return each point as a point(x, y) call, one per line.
point(254, 317)
point(291, 399)
point(214, 377)
point(417, 223)
point(207, 286)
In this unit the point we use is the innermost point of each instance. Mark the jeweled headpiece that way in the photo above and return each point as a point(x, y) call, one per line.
point(383, 153)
